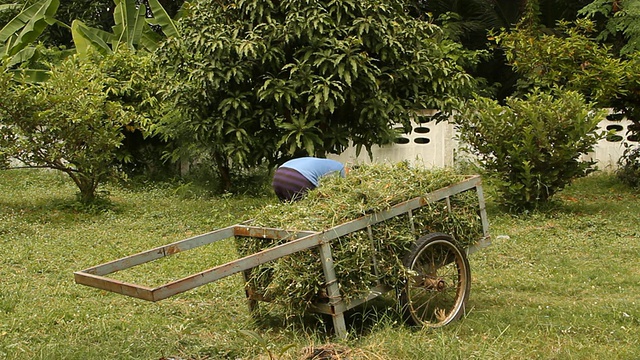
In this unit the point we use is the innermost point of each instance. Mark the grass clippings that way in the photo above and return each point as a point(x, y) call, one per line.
point(326, 352)
point(297, 281)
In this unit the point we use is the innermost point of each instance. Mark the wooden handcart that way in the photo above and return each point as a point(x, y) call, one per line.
point(434, 294)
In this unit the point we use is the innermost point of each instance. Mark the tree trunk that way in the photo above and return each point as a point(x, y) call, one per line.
point(224, 169)
point(87, 195)
point(86, 185)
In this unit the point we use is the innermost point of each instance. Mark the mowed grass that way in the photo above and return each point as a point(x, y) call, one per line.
point(558, 284)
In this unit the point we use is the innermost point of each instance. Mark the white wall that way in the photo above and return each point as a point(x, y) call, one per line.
point(435, 145)
point(429, 145)
point(607, 152)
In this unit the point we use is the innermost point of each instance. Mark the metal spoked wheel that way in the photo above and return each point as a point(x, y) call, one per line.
point(438, 283)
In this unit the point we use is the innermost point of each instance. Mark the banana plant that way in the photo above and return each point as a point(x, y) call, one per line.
point(24, 28)
point(5, 7)
point(18, 36)
point(132, 29)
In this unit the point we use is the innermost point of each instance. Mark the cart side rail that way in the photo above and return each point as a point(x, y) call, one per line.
point(94, 276)
point(160, 252)
point(303, 240)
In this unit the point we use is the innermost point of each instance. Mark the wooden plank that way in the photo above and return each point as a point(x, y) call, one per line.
point(236, 266)
point(137, 291)
point(160, 252)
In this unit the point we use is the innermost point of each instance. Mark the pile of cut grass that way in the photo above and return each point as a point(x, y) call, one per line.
point(297, 281)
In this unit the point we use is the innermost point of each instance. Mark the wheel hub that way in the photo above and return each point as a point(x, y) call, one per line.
point(434, 283)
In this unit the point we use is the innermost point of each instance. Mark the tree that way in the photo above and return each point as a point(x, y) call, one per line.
point(66, 123)
point(137, 32)
point(132, 29)
point(18, 36)
point(472, 21)
point(123, 78)
point(576, 61)
point(96, 14)
point(256, 81)
point(135, 26)
point(573, 60)
point(617, 23)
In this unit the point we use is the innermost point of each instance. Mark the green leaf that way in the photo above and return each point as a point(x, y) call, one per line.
point(25, 27)
point(32, 75)
point(254, 335)
point(149, 39)
point(23, 55)
point(85, 37)
point(129, 22)
point(160, 17)
point(7, 7)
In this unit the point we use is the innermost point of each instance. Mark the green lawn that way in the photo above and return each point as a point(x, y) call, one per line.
point(561, 284)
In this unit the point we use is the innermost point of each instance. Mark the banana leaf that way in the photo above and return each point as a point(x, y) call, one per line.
point(25, 27)
point(160, 17)
point(7, 7)
point(130, 21)
point(23, 55)
point(86, 37)
point(31, 75)
point(150, 39)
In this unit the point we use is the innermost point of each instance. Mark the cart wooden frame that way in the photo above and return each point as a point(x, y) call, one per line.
point(297, 241)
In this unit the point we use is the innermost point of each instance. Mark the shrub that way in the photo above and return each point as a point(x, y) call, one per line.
point(131, 82)
point(66, 123)
point(531, 147)
point(629, 170)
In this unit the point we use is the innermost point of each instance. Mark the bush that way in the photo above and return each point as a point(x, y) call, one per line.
point(66, 123)
point(531, 147)
point(261, 81)
point(629, 170)
point(131, 82)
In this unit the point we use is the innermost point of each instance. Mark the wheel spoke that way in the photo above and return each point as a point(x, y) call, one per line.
point(436, 292)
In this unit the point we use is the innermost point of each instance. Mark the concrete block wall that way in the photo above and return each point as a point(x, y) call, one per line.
point(429, 144)
point(609, 150)
point(435, 145)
